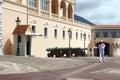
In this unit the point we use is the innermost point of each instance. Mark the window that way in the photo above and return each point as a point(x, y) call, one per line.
point(0, 34)
point(70, 11)
point(55, 33)
point(54, 6)
point(114, 34)
point(84, 36)
point(97, 34)
point(63, 34)
point(81, 35)
point(45, 32)
point(19, 38)
point(76, 35)
point(33, 29)
point(44, 5)
point(105, 34)
point(119, 35)
point(63, 8)
point(33, 3)
point(88, 36)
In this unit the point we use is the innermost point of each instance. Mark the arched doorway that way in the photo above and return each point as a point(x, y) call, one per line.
point(63, 8)
point(54, 6)
point(28, 45)
point(70, 11)
point(107, 46)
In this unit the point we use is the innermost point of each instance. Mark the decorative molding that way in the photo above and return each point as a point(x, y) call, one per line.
point(33, 22)
point(56, 26)
point(76, 29)
point(15, 3)
point(71, 28)
point(115, 45)
point(64, 27)
point(46, 24)
point(81, 30)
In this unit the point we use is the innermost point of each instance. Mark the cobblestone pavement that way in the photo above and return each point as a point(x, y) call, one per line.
point(90, 70)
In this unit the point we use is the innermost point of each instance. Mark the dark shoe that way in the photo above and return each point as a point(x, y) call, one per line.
point(100, 61)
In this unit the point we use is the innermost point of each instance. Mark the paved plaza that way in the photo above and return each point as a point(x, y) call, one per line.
point(74, 68)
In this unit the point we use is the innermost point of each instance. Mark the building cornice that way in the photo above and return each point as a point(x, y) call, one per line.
point(107, 27)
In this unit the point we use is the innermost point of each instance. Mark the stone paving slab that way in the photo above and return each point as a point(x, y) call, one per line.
point(15, 64)
point(78, 79)
point(109, 70)
point(112, 71)
point(91, 70)
point(10, 68)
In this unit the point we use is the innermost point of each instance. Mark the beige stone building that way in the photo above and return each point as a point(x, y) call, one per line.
point(50, 18)
point(110, 34)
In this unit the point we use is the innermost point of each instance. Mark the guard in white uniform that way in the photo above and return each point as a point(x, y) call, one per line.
point(101, 47)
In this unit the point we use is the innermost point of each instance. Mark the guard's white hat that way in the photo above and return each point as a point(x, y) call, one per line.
point(101, 40)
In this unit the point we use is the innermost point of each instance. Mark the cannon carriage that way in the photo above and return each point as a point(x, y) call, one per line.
point(61, 52)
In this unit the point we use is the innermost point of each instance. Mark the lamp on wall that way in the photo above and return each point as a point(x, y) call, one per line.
point(18, 36)
point(69, 33)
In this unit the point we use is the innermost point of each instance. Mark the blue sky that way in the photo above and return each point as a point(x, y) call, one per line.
point(99, 11)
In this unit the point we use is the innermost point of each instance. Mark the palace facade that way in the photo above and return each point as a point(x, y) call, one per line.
point(44, 24)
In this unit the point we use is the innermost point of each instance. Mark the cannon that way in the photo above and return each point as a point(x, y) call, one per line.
point(60, 52)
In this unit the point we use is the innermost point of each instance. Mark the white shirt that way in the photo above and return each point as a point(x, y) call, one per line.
point(101, 47)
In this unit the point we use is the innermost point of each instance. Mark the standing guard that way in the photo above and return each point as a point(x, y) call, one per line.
point(101, 47)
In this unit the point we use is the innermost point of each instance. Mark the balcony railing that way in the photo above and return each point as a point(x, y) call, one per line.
point(72, 1)
point(76, 22)
point(19, 1)
point(70, 21)
point(55, 16)
point(63, 19)
point(33, 10)
point(45, 14)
